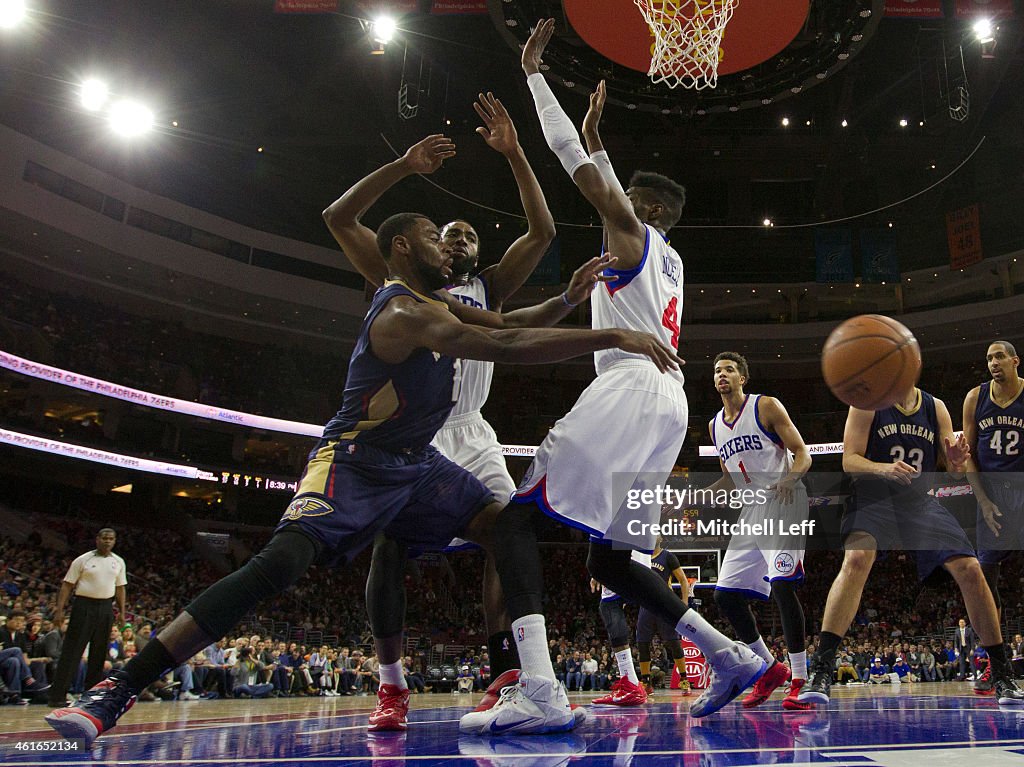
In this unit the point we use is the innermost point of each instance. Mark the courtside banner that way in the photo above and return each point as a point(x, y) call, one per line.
point(117, 391)
point(305, 6)
point(913, 9)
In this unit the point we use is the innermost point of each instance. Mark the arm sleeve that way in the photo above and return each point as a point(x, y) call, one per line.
point(559, 132)
point(604, 165)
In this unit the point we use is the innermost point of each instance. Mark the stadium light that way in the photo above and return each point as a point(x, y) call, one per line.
point(384, 28)
point(130, 118)
point(983, 31)
point(12, 13)
point(94, 94)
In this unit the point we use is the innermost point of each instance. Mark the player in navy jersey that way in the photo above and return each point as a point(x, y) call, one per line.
point(465, 438)
point(994, 428)
point(892, 455)
point(665, 565)
point(374, 469)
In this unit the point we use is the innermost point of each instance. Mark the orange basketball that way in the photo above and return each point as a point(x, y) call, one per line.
point(870, 361)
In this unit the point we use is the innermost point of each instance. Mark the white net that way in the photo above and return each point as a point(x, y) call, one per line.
point(687, 45)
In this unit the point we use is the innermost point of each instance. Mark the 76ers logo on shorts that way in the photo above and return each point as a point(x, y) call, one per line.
point(307, 507)
point(784, 562)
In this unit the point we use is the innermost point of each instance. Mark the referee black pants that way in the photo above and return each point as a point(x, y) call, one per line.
point(89, 624)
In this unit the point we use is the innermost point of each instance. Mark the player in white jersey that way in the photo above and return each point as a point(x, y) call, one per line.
point(621, 437)
point(760, 450)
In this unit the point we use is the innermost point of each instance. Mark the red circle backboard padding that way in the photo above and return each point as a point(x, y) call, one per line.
point(758, 30)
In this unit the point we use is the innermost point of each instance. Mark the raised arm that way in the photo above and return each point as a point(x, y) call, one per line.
point(405, 324)
point(508, 275)
point(359, 242)
point(625, 232)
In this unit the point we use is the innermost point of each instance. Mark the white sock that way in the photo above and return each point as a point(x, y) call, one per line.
point(762, 649)
point(708, 639)
point(625, 660)
point(532, 643)
point(391, 673)
point(798, 664)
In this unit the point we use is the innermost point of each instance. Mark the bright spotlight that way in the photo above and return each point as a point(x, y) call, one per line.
point(768, 222)
point(130, 118)
point(384, 28)
point(94, 94)
point(12, 13)
point(844, 123)
point(785, 122)
point(983, 30)
point(903, 123)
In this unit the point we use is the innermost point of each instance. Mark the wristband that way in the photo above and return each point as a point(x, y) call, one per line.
point(565, 300)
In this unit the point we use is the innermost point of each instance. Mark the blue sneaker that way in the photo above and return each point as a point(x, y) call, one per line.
point(735, 669)
point(96, 712)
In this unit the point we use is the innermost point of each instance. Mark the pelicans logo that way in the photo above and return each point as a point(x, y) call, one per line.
point(308, 506)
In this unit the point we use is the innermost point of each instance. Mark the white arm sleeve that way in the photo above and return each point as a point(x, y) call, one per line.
point(559, 132)
point(604, 164)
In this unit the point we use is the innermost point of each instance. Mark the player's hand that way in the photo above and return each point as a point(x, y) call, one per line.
point(989, 511)
point(428, 155)
point(784, 489)
point(498, 129)
point(593, 118)
point(594, 586)
point(957, 452)
point(58, 617)
point(636, 342)
point(586, 278)
point(535, 46)
point(900, 472)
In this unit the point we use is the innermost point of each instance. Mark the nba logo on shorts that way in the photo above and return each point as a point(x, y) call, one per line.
point(521, 633)
point(784, 562)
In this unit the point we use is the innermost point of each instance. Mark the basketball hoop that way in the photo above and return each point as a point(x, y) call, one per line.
point(687, 40)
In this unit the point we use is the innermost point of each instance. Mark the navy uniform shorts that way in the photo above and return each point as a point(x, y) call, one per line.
point(1006, 491)
point(350, 492)
point(911, 522)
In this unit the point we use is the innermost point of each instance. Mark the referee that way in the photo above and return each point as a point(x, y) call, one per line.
point(96, 578)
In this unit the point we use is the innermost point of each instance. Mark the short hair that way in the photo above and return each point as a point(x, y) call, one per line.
point(16, 614)
point(106, 530)
point(393, 226)
point(739, 359)
point(1007, 345)
point(671, 195)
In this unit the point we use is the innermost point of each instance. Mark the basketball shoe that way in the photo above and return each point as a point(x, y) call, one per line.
point(818, 689)
point(776, 676)
point(534, 705)
point(792, 700)
point(735, 668)
point(96, 712)
point(984, 685)
point(1007, 691)
point(511, 677)
point(391, 711)
point(624, 693)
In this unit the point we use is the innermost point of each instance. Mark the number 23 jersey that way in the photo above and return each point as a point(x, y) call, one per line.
point(904, 435)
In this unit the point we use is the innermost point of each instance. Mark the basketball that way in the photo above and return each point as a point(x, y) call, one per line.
point(870, 361)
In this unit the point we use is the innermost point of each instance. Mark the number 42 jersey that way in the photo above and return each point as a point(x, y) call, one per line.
point(1000, 432)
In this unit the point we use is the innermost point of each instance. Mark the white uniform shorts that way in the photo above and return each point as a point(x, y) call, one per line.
point(469, 441)
point(751, 564)
point(624, 433)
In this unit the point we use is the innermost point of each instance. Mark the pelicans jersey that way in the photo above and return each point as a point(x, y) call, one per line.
point(903, 435)
point(1001, 460)
point(624, 433)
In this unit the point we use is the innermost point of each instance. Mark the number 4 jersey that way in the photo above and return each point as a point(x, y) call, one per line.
point(1000, 432)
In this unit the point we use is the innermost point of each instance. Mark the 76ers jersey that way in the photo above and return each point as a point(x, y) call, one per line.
point(753, 456)
point(647, 298)
point(1000, 432)
point(475, 384)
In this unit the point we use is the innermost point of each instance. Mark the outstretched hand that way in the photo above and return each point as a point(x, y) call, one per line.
point(586, 278)
point(428, 155)
point(957, 452)
point(498, 129)
point(534, 49)
point(644, 343)
point(593, 118)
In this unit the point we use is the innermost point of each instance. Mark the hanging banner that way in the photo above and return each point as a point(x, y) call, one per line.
point(452, 7)
point(305, 6)
point(914, 9)
point(878, 255)
point(833, 250)
point(963, 228)
point(970, 9)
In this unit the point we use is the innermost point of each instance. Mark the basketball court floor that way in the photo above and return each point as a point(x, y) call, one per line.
point(877, 726)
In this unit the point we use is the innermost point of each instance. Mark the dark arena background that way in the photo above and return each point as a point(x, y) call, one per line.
point(176, 323)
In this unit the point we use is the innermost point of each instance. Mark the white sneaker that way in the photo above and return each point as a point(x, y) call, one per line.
point(734, 670)
point(188, 695)
point(533, 706)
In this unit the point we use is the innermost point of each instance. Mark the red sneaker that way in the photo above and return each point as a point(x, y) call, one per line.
point(392, 708)
point(773, 678)
point(624, 693)
point(984, 685)
point(791, 702)
point(505, 679)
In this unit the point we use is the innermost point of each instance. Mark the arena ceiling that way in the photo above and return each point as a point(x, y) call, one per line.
point(235, 77)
